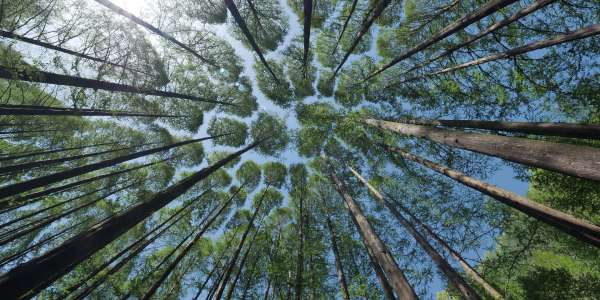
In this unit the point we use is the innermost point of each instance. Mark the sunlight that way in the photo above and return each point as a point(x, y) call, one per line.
point(132, 6)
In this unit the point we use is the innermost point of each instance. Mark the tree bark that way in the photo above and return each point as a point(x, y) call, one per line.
point(151, 28)
point(453, 277)
point(35, 110)
point(22, 155)
point(388, 292)
point(241, 267)
point(569, 224)
point(24, 186)
point(494, 27)
point(14, 36)
point(242, 24)
point(575, 160)
point(372, 241)
point(352, 8)
point(380, 5)
point(570, 130)
point(300, 257)
point(67, 80)
point(308, 8)
point(236, 254)
point(460, 24)
point(29, 278)
point(338, 262)
point(189, 246)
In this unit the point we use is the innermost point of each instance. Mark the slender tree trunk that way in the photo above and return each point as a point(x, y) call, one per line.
point(223, 282)
point(14, 36)
point(16, 132)
point(569, 224)
point(29, 278)
point(256, 16)
point(67, 80)
point(494, 27)
point(21, 201)
point(308, 9)
point(241, 267)
point(470, 271)
point(151, 28)
point(31, 184)
point(487, 9)
point(242, 24)
point(380, 5)
point(372, 241)
point(570, 130)
point(453, 277)
point(388, 291)
point(35, 110)
point(338, 262)
point(21, 155)
point(300, 257)
point(189, 247)
point(575, 160)
point(267, 290)
point(44, 163)
point(352, 8)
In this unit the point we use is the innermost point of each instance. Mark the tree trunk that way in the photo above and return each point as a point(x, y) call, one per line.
point(460, 24)
point(575, 160)
point(338, 262)
point(470, 271)
point(496, 26)
point(29, 278)
point(67, 80)
point(24, 186)
point(380, 5)
point(189, 246)
point(22, 200)
point(241, 267)
point(21, 38)
point(21, 155)
point(300, 257)
point(35, 110)
point(570, 130)
point(308, 8)
point(44, 163)
point(453, 277)
point(388, 292)
point(151, 28)
point(578, 228)
point(256, 16)
point(242, 24)
point(352, 8)
point(372, 241)
point(267, 290)
point(223, 282)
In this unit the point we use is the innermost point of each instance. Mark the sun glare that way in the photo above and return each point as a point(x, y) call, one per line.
point(132, 6)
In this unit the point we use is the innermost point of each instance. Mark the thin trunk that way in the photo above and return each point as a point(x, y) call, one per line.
point(44, 163)
point(460, 24)
point(338, 262)
point(470, 271)
point(569, 224)
point(241, 267)
point(21, 201)
point(242, 24)
point(256, 16)
point(372, 241)
point(352, 8)
point(189, 247)
point(21, 155)
point(388, 292)
point(494, 27)
point(29, 278)
point(35, 110)
point(43, 222)
point(67, 80)
point(575, 160)
point(380, 5)
point(31, 184)
point(308, 9)
point(267, 290)
point(453, 277)
point(14, 36)
point(570, 130)
point(151, 28)
point(236, 254)
point(300, 257)
point(137, 246)
point(30, 131)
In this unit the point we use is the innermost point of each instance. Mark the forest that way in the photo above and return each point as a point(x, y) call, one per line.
point(300, 149)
